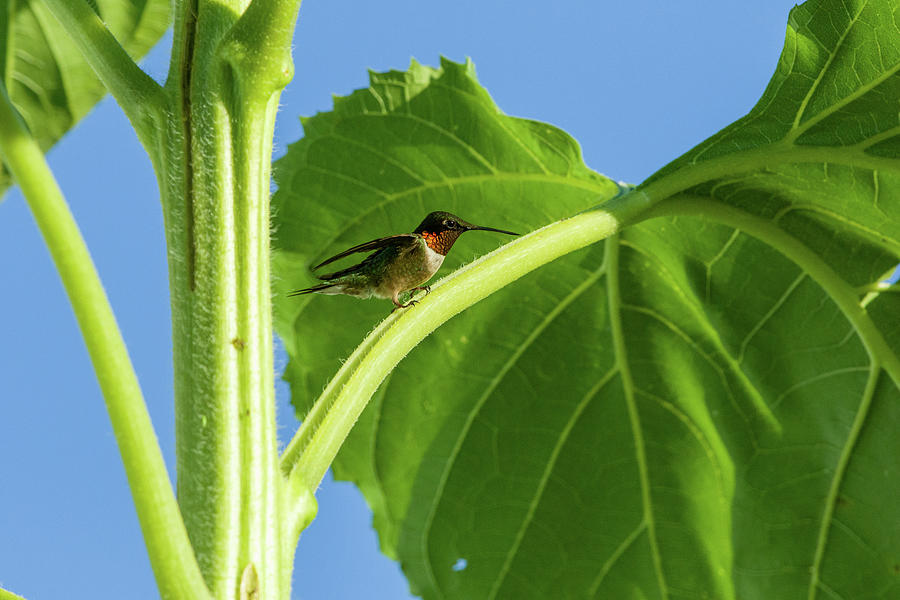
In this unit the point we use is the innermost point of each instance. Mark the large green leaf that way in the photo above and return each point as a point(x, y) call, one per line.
point(704, 406)
point(47, 79)
point(413, 142)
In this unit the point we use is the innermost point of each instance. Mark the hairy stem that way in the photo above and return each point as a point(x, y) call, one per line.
point(216, 201)
point(171, 555)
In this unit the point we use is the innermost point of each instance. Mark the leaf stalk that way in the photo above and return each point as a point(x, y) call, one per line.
point(174, 564)
point(143, 100)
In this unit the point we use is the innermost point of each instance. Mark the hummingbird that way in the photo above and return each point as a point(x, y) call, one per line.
point(401, 262)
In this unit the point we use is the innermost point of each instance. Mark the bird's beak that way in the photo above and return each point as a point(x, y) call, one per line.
point(470, 227)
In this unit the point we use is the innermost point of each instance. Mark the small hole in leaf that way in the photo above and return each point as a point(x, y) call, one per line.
point(459, 565)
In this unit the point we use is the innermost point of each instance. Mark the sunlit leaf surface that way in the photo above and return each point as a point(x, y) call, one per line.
point(47, 79)
point(705, 406)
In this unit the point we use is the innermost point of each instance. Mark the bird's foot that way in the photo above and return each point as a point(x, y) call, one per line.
point(412, 292)
point(407, 305)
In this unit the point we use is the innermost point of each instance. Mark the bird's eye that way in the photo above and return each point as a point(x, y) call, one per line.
point(449, 224)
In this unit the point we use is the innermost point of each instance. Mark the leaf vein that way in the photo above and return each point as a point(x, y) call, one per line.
point(768, 316)
point(385, 156)
point(840, 469)
point(615, 556)
point(618, 335)
point(815, 85)
point(814, 379)
point(545, 477)
point(702, 319)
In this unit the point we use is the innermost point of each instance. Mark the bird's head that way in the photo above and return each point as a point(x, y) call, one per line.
point(441, 229)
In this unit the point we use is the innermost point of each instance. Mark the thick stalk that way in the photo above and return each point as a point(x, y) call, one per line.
point(216, 201)
point(228, 484)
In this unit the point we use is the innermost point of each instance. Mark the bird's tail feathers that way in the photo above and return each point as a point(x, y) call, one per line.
point(316, 288)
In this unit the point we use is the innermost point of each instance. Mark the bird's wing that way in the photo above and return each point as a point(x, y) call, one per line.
point(391, 240)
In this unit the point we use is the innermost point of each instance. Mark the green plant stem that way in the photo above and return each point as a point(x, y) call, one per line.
point(317, 442)
point(878, 288)
point(316, 414)
point(228, 484)
point(216, 201)
point(171, 555)
point(142, 99)
point(7, 595)
point(778, 154)
point(259, 46)
point(261, 482)
point(845, 296)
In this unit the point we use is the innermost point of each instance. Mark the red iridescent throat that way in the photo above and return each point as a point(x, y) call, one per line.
point(440, 242)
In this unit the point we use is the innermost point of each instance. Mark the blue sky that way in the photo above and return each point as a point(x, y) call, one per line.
point(636, 83)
